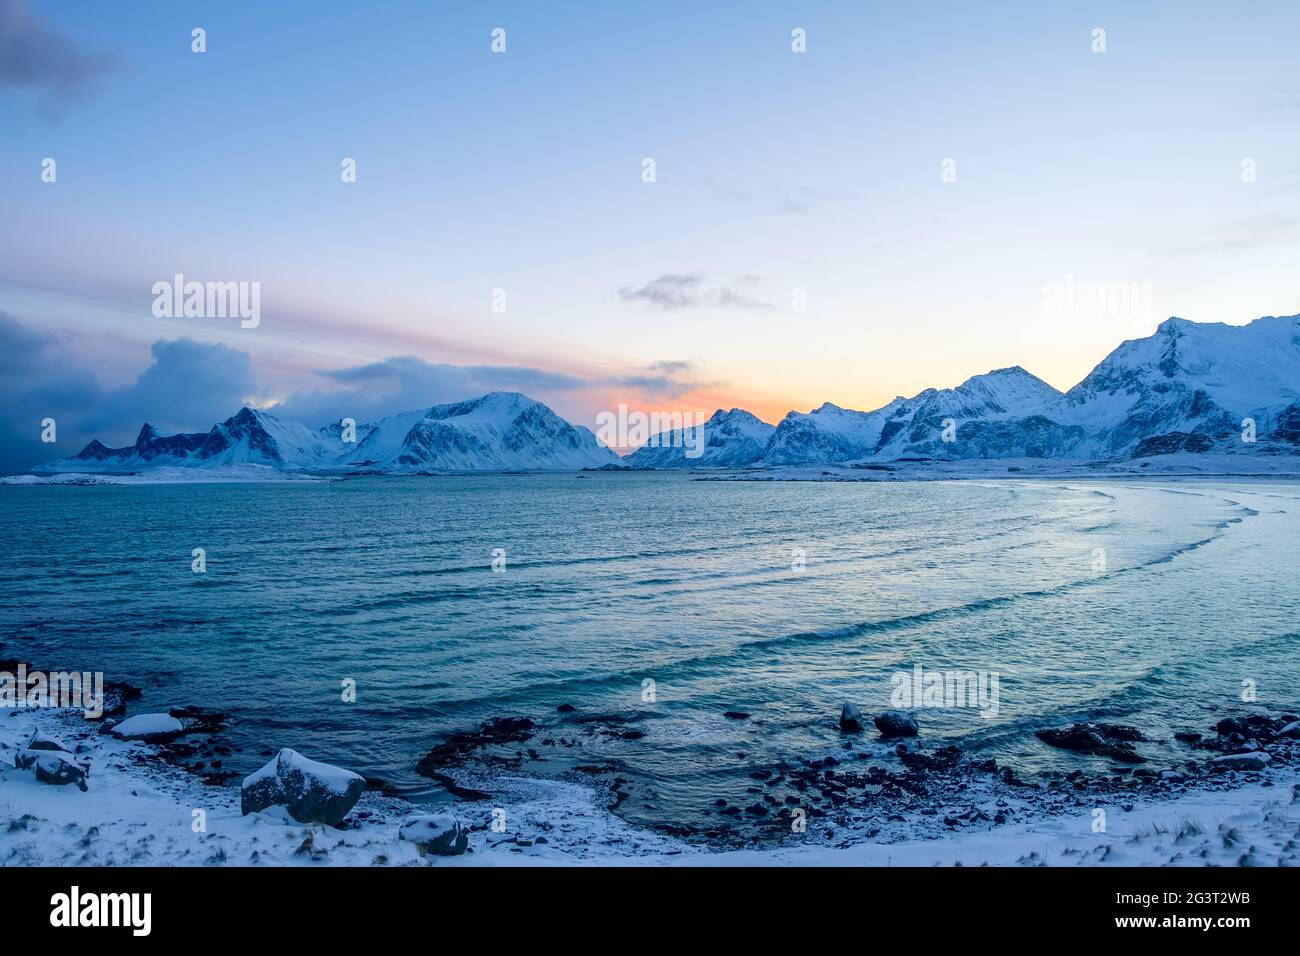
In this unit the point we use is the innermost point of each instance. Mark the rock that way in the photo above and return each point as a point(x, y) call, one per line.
point(735, 715)
point(850, 719)
point(1291, 730)
point(1256, 760)
point(116, 695)
point(1230, 725)
point(1120, 732)
point(199, 719)
point(42, 741)
point(151, 728)
point(312, 792)
point(55, 767)
point(436, 835)
point(1187, 736)
point(460, 746)
point(1090, 739)
point(896, 723)
point(565, 709)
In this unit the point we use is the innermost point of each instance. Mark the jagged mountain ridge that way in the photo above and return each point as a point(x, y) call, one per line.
point(500, 431)
point(1186, 387)
point(730, 438)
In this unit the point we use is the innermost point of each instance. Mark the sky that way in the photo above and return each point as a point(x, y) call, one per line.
point(900, 206)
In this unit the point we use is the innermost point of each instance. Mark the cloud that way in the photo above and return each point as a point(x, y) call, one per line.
point(32, 56)
point(673, 291)
point(663, 379)
point(187, 386)
point(406, 382)
point(1269, 231)
point(794, 200)
point(669, 291)
point(19, 345)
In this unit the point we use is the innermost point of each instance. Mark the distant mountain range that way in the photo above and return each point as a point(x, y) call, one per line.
point(1187, 388)
point(501, 431)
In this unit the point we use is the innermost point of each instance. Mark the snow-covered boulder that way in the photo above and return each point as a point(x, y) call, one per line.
point(43, 741)
point(55, 767)
point(151, 728)
point(1255, 760)
point(439, 834)
point(897, 723)
point(850, 718)
point(311, 791)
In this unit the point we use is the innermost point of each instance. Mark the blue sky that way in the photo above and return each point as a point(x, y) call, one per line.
point(775, 172)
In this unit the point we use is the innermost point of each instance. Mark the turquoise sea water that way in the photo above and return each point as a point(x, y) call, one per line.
point(778, 599)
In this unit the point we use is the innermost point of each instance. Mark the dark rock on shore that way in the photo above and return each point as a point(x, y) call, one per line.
point(896, 723)
point(150, 728)
point(1255, 760)
point(116, 696)
point(460, 746)
point(312, 792)
point(435, 835)
point(1095, 739)
point(51, 762)
point(850, 719)
point(945, 758)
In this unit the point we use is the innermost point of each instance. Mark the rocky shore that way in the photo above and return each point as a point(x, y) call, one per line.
point(152, 787)
point(923, 791)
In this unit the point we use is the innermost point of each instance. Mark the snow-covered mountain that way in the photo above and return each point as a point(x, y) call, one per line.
point(731, 439)
point(501, 431)
point(1190, 385)
point(248, 437)
point(1187, 387)
point(992, 415)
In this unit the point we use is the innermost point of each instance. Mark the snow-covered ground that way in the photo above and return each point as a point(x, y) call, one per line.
point(168, 476)
point(1182, 465)
point(138, 810)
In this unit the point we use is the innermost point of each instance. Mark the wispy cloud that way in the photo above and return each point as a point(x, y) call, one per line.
point(664, 379)
point(33, 56)
point(673, 291)
point(406, 382)
point(1259, 232)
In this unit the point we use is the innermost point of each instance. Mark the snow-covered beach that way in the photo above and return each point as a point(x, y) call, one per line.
point(138, 810)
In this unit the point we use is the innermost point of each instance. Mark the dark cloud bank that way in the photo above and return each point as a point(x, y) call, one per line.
point(189, 386)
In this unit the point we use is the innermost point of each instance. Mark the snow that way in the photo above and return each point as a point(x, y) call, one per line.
point(334, 779)
point(147, 725)
point(730, 438)
point(500, 431)
point(141, 812)
point(166, 475)
point(1187, 377)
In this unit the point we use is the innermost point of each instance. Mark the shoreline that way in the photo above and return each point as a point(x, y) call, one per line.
point(1176, 467)
point(141, 809)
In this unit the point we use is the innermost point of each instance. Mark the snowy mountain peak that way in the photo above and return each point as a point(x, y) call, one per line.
point(494, 432)
point(1187, 387)
point(728, 439)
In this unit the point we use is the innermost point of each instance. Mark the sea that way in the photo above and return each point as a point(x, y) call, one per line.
point(362, 621)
